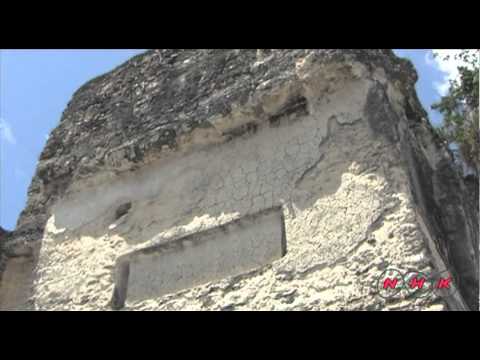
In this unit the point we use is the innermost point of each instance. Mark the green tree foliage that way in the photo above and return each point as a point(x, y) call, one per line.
point(459, 108)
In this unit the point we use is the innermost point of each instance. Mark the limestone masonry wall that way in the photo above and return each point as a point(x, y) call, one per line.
point(319, 174)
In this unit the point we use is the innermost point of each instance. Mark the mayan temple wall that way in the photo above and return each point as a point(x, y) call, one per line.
point(243, 180)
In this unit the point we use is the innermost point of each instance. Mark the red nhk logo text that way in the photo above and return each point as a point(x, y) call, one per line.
point(393, 283)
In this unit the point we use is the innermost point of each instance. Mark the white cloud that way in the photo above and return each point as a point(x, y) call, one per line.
point(6, 132)
point(447, 66)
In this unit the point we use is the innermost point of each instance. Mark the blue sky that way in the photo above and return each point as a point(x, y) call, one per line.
point(36, 85)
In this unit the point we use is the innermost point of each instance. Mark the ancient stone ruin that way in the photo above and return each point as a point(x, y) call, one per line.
point(244, 180)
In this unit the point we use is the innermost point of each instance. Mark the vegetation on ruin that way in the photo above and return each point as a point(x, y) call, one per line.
point(459, 107)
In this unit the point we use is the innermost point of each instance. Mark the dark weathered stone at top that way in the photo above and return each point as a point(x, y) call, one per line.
point(149, 101)
point(141, 109)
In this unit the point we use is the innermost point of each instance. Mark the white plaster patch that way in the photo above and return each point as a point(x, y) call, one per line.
point(235, 248)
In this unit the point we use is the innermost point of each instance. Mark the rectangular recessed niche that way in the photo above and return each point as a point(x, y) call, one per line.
point(227, 250)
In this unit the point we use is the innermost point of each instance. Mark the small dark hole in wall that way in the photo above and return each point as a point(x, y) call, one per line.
point(122, 210)
point(245, 129)
point(297, 106)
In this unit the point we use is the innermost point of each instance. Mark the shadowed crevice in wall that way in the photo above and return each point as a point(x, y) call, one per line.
point(122, 273)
